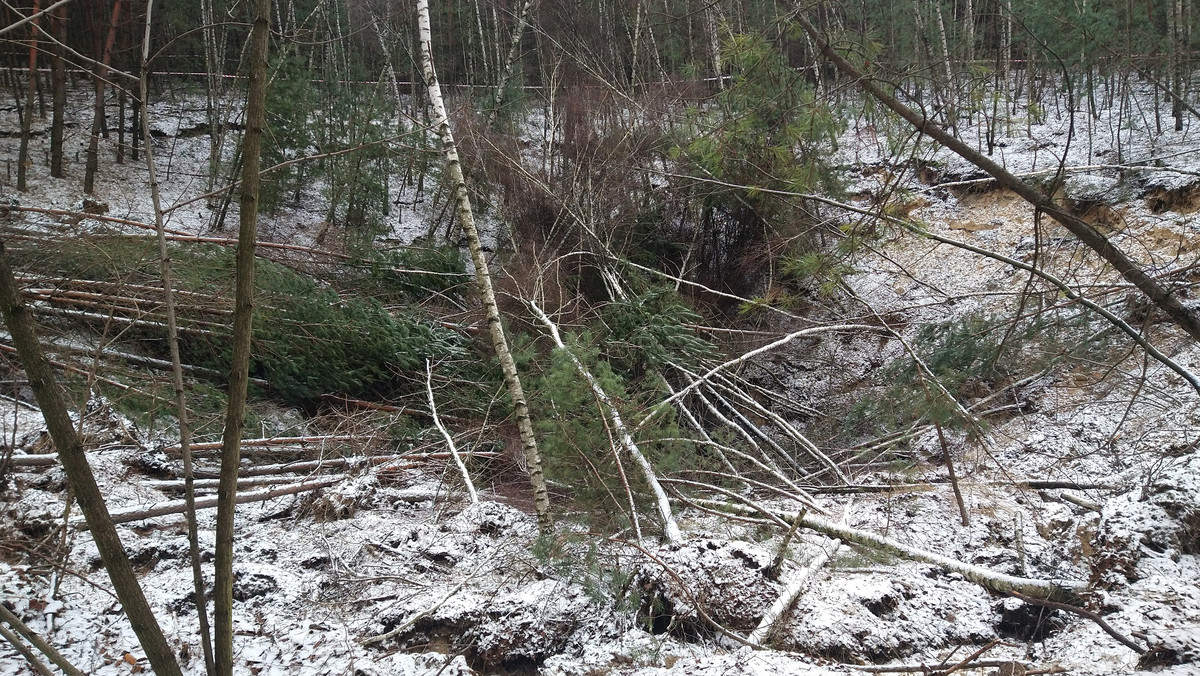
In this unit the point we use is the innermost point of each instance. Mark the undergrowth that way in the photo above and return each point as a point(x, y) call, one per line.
point(309, 339)
point(972, 357)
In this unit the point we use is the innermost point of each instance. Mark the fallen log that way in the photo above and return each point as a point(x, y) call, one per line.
point(179, 506)
point(270, 441)
point(795, 586)
point(39, 460)
point(299, 467)
point(178, 485)
point(1053, 590)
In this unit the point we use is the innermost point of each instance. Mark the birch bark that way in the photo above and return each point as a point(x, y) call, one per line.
point(483, 277)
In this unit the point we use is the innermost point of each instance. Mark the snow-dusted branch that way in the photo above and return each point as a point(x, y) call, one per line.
point(179, 506)
point(796, 585)
point(747, 356)
point(36, 641)
point(670, 527)
point(446, 435)
point(997, 582)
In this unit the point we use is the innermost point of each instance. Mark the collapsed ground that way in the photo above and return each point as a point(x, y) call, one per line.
point(1086, 472)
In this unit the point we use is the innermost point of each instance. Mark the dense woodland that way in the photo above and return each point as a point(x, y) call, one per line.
point(609, 263)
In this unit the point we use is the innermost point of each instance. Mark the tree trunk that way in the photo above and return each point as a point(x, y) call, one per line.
point(82, 482)
point(990, 579)
point(23, 161)
point(483, 277)
point(214, 67)
point(181, 411)
point(100, 72)
point(58, 75)
point(239, 369)
point(514, 50)
point(714, 43)
point(949, 89)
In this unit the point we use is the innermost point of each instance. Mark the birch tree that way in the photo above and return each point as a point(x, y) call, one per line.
point(670, 526)
point(514, 49)
point(483, 278)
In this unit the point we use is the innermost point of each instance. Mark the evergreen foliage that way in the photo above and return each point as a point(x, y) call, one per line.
point(309, 340)
point(651, 330)
point(972, 356)
point(765, 131)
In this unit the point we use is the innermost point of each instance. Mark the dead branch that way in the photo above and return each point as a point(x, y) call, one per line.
point(208, 502)
point(462, 468)
point(997, 582)
point(1082, 502)
point(273, 441)
point(1067, 607)
point(177, 485)
point(35, 663)
point(797, 584)
point(34, 460)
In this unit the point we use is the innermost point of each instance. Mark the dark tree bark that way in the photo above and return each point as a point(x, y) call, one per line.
point(20, 322)
point(239, 372)
point(99, 74)
point(23, 161)
point(58, 75)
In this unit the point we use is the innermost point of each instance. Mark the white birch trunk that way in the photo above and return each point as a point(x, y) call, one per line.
point(514, 49)
point(714, 43)
point(483, 277)
point(670, 527)
point(794, 588)
point(990, 579)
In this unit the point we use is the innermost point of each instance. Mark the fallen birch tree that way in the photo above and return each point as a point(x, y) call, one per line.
point(1054, 590)
point(670, 527)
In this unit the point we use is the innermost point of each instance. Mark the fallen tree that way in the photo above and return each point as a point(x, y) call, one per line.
point(1052, 590)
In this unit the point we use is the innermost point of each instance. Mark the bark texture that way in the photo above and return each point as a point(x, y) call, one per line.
point(483, 277)
point(243, 310)
point(20, 322)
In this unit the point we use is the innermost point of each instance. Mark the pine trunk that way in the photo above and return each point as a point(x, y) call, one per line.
point(20, 322)
point(239, 370)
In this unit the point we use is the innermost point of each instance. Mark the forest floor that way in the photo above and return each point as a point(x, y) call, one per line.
point(396, 549)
